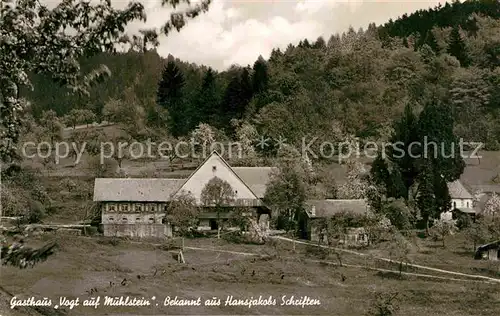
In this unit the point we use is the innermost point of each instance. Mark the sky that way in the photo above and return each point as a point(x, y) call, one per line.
point(238, 31)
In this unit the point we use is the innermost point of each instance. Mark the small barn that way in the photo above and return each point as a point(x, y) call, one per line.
point(489, 251)
point(319, 210)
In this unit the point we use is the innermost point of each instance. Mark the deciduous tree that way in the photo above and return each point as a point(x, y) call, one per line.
point(443, 228)
point(286, 195)
point(219, 194)
point(183, 213)
point(35, 39)
point(492, 206)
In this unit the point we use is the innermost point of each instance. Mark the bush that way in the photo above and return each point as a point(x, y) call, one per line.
point(239, 238)
point(399, 214)
point(317, 252)
point(463, 221)
point(113, 241)
point(384, 305)
point(35, 212)
point(492, 145)
point(90, 231)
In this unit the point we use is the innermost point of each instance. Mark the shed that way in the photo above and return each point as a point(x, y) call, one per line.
point(316, 210)
point(489, 251)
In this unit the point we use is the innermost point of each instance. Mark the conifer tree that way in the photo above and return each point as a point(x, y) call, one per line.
point(405, 42)
point(306, 44)
point(431, 40)
point(260, 78)
point(436, 125)
point(171, 84)
point(237, 96)
point(334, 41)
point(435, 161)
point(400, 153)
point(246, 86)
point(320, 43)
point(207, 101)
point(457, 47)
point(426, 199)
point(170, 97)
point(440, 160)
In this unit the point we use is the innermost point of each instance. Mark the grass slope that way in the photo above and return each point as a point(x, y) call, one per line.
point(85, 263)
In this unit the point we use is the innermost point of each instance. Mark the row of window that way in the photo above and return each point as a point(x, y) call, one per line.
point(136, 208)
point(151, 220)
point(455, 204)
point(156, 208)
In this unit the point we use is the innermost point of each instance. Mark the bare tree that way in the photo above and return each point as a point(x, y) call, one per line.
point(399, 249)
point(443, 228)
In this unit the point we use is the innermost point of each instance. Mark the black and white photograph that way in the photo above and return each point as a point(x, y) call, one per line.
point(250, 157)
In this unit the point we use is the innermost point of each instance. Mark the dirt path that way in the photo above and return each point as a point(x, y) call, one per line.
point(350, 266)
point(391, 261)
point(396, 272)
point(487, 279)
point(224, 251)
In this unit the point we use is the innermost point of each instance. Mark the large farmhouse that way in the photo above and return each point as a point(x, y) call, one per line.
point(138, 207)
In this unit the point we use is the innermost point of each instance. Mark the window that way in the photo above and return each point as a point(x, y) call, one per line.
point(137, 219)
point(124, 219)
point(125, 207)
point(236, 192)
point(151, 220)
point(467, 204)
point(138, 208)
point(214, 168)
point(454, 204)
point(111, 219)
point(153, 208)
point(111, 207)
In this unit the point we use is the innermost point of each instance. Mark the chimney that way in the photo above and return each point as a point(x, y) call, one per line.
point(313, 210)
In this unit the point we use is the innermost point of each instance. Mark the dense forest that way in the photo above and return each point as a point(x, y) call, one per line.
point(358, 81)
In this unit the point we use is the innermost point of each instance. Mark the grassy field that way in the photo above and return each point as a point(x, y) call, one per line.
point(83, 263)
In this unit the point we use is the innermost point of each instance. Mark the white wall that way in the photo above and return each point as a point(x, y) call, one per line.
point(461, 203)
point(206, 172)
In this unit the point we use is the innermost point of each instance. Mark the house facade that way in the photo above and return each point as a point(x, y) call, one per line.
point(462, 200)
point(317, 211)
point(138, 207)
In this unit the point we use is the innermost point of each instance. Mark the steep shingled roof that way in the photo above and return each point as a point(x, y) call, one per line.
point(140, 190)
point(151, 190)
point(458, 191)
point(256, 178)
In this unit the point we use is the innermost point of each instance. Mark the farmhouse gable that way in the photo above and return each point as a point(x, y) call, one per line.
point(215, 166)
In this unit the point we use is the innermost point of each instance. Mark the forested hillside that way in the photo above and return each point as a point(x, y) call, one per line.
point(358, 81)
